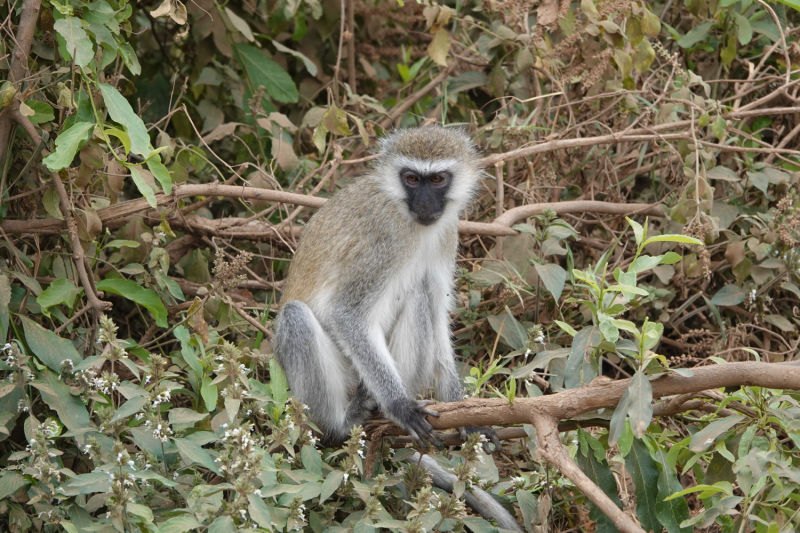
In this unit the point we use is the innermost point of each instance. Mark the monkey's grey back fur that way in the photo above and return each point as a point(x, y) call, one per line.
point(364, 319)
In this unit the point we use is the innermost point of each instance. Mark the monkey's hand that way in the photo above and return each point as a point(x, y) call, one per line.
point(486, 432)
point(411, 416)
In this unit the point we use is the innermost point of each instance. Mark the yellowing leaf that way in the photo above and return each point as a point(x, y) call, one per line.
point(439, 47)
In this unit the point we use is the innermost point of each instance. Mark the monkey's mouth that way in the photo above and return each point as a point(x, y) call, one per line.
point(427, 220)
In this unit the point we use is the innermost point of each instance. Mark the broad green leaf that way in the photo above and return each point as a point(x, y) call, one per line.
point(310, 66)
point(729, 295)
point(640, 403)
point(60, 291)
point(43, 112)
point(510, 330)
point(123, 137)
point(76, 40)
point(744, 32)
point(67, 145)
point(265, 72)
point(10, 483)
point(143, 187)
point(628, 289)
point(722, 173)
point(638, 230)
point(781, 322)
point(580, 367)
point(331, 483)
point(140, 510)
point(698, 34)
point(161, 173)
point(133, 291)
point(645, 263)
point(86, 484)
point(618, 419)
point(718, 127)
point(553, 276)
point(651, 24)
point(791, 3)
point(673, 238)
point(180, 524)
point(671, 513)
point(194, 453)
point(56, 394)
point(209, 393)
point(439, 47)
point(259, 512)
point(603, 477)
point(528, 504)
point(121, 111)
point(129, 408)
point(48, 347)
point(706, 436)
point(644, 473)
point(277, 382)
point(566, 327)
point(670, 258)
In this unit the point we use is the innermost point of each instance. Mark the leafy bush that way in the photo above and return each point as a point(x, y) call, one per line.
point(139, 391)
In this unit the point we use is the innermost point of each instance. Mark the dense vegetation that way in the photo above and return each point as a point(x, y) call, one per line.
point(639, 222)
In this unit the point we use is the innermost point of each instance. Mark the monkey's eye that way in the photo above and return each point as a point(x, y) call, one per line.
point(413, 179)
point(440, 179)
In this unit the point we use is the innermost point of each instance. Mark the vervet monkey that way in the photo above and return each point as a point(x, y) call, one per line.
point(364, 318)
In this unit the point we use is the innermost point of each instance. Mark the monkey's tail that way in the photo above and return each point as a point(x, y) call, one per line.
point(478, 499)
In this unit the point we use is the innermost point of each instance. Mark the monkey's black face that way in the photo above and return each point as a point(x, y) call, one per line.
point(426, 193)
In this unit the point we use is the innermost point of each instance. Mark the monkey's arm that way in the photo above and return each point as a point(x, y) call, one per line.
point(366, 348)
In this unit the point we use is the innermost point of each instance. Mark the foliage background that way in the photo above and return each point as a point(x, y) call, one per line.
point(139, 391)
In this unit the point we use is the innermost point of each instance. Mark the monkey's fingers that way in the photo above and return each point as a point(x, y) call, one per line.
point(421, 407)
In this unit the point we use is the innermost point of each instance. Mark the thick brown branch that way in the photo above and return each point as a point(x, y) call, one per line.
point(575, 402)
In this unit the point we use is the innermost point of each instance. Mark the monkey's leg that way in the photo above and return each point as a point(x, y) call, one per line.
point(317, 373)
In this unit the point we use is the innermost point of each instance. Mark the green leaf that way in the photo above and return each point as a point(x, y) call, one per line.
point(307, 63)
point(180, 524)
point(121, 112)
point(161, 173)
point(263, 71)
point(706, 436)
point(194, 453)
point(729, 295)
point(56, 394)
point(86, 484)
point(566, 327)
point(259, 512)
point(644, 473)
point(129, 408)
point(143, 187)
point(603, 477)
point(77, 41)
point(698, 34)
point(10, 483)
point(651, 25)
point(48, 347)
point(644, 263)
point(43, 112)
point(719, 127)
point(312, 461)
point(791, 3)
point(121, 243)
point(123, 137)
point(140, 510)
point(580, 368)
point(744, 32)
point(638, 230)
point(60, 291)
point(278, 385)
point(209, 394)
point(510, 330)
point(781, 322)
point(628, 289)
point(640, 403)
point(673, 512)
point(673, 238)
point(553, 276)
point(331, 483)
point(136, 293)
point(67, 145)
